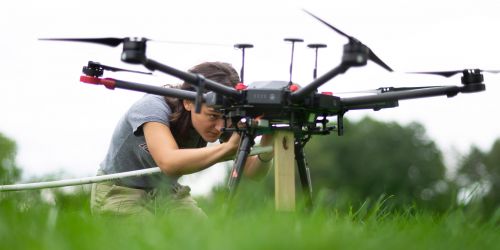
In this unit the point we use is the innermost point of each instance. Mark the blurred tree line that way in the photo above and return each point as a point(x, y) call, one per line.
point(9, 171)
point(478, 178)
point(374, 158)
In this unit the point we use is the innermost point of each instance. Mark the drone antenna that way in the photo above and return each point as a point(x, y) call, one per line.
point(316, 46)
point(243, 46)
point(293, 40)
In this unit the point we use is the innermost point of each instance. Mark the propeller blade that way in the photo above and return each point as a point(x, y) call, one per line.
point(491, 71)
point(371, 55)
point(331, 26)
point(440, 73)
point(113, 41)
point(194, 43)
point(105, 67)
point(454, 72)
point(110, 41)
point(378, 61)
point(115, 69)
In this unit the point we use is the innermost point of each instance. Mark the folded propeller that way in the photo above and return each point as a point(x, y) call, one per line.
point(96, 69)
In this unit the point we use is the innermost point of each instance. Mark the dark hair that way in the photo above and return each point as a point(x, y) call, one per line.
point(180, 119)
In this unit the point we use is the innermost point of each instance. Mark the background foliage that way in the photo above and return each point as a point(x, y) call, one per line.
point(374, 158)
point(9, 171)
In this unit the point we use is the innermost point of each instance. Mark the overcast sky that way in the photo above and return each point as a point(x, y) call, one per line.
point(61, 124)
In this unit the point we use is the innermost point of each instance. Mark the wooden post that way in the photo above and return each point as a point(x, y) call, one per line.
point(284, 171)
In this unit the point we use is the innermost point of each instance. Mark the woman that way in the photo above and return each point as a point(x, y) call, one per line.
point(165, 132)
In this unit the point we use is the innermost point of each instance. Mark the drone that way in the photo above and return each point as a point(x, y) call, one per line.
point(269, 106)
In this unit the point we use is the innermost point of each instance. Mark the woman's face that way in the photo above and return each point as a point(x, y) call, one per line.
point(208, 123)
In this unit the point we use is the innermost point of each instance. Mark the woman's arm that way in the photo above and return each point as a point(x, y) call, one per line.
point(174, 161)
point(258, 166)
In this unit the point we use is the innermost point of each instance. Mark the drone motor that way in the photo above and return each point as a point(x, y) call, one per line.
point(134, 50)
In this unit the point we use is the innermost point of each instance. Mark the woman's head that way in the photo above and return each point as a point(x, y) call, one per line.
point(208, 122)
point(219, 72)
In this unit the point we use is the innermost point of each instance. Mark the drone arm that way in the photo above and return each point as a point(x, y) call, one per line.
point(374, 105)
point(355, 102)
point(114, 83)
point(308, 89)
point(191, 78)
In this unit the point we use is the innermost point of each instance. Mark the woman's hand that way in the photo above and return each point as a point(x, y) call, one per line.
point(231, 146)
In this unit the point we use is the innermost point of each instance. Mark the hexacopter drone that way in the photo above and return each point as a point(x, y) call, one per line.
point(276, 105)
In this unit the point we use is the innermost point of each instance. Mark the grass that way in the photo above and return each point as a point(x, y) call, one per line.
point(67, 224)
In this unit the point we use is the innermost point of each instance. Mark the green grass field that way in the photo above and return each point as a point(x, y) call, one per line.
point(67, 224)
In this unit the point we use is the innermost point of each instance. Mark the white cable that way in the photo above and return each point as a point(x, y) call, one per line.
point(101, 178)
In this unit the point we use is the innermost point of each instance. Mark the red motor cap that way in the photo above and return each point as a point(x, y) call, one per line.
point(327, 93)
point(240, 86)
point(294, 87)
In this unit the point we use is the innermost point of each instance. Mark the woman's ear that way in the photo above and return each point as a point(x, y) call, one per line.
point(188, 105)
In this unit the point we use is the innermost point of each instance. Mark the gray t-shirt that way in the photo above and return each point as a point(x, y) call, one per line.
point(128, 149)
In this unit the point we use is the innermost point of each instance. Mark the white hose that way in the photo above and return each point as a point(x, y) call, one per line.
point(101, 178)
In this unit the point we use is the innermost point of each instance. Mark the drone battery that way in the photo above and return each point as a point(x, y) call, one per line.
point(266, 93)
point(264, 96)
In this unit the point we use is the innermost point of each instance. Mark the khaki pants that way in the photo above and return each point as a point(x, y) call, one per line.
point(109, 198)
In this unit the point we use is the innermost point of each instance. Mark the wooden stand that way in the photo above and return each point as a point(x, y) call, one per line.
point(284, 171)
